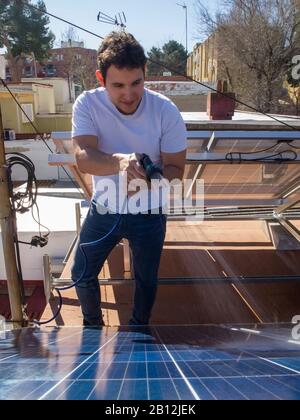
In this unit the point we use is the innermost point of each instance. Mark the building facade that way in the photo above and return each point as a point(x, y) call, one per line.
point(38, 100)
point(202, 63)
point(72, 62)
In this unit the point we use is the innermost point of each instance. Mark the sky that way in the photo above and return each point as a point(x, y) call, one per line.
point(152, 22)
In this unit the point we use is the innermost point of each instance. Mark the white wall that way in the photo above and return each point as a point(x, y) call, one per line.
point(38, 153)
point(61, 90)
point(2, 66)
point(45, 99)
point(59, 216)
point(32, 258)
point(178, 88)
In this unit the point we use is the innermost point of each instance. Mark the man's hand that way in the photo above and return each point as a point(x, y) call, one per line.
point(131, 165)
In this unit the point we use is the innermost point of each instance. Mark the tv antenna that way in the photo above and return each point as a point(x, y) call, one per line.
point(119, 19)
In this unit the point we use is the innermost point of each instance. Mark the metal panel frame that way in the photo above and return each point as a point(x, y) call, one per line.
point(247, 209)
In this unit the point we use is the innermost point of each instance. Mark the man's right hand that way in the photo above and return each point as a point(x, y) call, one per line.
point(131, 165)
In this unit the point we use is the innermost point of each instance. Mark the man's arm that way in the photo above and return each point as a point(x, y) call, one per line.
point(174, 165)
point(90, 160)
point(94, 162)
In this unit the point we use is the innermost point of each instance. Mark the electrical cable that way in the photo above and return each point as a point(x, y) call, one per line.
point(294, 147)
point(61, 19)
point(82, 248)
point(24, 201)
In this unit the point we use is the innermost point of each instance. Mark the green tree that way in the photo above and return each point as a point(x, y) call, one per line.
point(24, 31)
point(155, 56)
point(172, 56)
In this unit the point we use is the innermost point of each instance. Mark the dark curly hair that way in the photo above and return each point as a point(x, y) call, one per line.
point(122, 50)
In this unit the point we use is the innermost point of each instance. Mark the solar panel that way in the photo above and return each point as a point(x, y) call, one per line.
point(162, 363)
point(256, 182)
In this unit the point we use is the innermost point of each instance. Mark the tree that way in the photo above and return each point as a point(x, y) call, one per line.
point(297, 7)
point(155, 56)
point(256, 43)
point(70, 35)
point(78, 70)
point(172, 55)
point(24, 31)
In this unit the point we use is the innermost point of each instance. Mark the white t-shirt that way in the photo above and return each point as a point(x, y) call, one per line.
point(157, 126)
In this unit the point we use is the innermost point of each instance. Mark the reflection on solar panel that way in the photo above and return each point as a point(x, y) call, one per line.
point(243, 181)
point(163, 363)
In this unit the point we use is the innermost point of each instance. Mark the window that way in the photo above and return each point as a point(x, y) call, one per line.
point(28, 71)
point(8, 75)
point(28, 108)
point(50, 70)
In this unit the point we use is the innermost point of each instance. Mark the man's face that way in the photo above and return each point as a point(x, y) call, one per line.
point(125, 88)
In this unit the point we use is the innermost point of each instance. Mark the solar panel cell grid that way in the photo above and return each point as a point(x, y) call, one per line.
point(166, 363)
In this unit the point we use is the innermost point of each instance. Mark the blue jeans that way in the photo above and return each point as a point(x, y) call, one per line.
point(146, 235)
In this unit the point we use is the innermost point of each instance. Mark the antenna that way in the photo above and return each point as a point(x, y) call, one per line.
point(119, 19)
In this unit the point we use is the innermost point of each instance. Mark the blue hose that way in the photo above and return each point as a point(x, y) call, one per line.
point(83, 248)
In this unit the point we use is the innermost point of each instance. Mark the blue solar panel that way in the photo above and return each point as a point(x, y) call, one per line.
point(164, 363)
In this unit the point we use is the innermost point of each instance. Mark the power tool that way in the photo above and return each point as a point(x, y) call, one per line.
point(152, 171)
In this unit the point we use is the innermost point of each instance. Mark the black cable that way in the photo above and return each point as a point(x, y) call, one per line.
point(60, 304)
point(39, 221)
point(238, 157)
point(294, 147)
point(27, 200)
point(41, 136)
point(24, 201)
point(63, 20)
point(259, 151)
point(277, 157)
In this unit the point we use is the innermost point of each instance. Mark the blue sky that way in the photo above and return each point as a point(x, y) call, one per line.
point(153, 22)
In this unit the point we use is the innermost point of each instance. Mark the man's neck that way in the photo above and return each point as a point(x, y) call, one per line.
point(131, 113)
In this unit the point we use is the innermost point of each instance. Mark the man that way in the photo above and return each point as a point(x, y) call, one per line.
point(111, 126)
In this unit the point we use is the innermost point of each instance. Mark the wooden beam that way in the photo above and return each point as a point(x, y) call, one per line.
point(7, 233)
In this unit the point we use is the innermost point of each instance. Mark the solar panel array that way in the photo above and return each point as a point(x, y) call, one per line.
point(162, 363)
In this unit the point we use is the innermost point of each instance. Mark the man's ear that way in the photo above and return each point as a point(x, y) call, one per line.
point(100, 78)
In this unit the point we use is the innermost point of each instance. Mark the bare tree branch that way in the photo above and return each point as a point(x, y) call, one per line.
point(257, 40)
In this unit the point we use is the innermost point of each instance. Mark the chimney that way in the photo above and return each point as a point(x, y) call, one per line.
point(220, 107)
